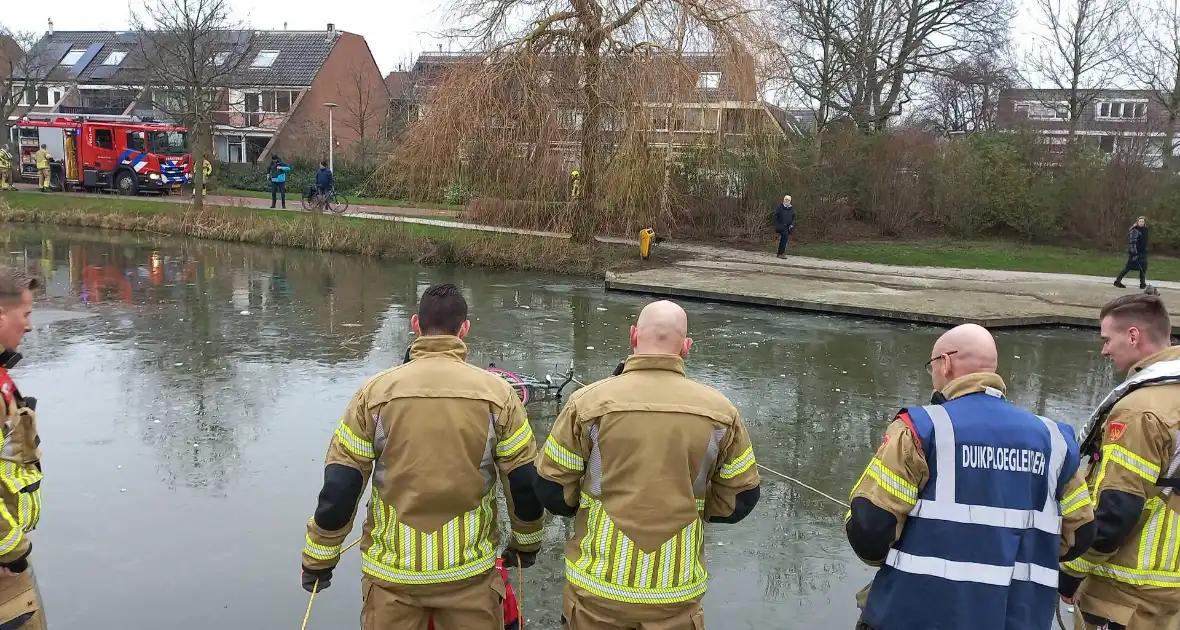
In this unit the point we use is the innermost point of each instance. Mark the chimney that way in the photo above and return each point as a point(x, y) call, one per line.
point(331, 27)
point(284, 26)
point(51, 26)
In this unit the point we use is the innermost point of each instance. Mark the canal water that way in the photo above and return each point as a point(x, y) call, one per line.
point(187, 392)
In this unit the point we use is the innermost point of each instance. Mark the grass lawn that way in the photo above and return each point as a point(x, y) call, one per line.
point(352, 201)
point(988, 255)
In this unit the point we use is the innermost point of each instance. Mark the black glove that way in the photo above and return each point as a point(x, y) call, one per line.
point(515, 557)
point(1067, 585)
point(311, 575)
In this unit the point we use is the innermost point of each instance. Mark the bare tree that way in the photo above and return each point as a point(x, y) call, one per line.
point(963, 96)
point(1154, 62)
point(23, 66)
point(1078, 50)
point(190, 51)
point(809, 62)
point(366, 107)
point(593, 32)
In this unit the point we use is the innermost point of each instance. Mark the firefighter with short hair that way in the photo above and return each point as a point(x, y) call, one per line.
point(20, 464)
point(5, 168)
point(641, 461)
point(1130, 577)
point(433, 434)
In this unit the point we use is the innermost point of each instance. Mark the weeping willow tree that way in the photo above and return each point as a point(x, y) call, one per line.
point(602, 87)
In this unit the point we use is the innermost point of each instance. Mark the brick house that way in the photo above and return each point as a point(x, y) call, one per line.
point(703, 98)
point(274, 104)
point(1116, 121)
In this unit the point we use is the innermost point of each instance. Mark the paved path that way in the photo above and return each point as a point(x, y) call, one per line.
point(933, 295)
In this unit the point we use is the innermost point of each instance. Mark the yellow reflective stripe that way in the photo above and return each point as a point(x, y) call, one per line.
point(633, 595)
point(739, 465)
point(531, 538)
point(686, 555)
point(470, 536)
point(591, 526)
point(623, 559)
point(430, 552)
point(891, 482)
point(1131, 462)
point(318, 551)
point(451, 536)
point(13, 538)
point(668, 561)
point(563, 455)
point(1127, 575)
point(394, 574)
point(1075, 500)
point(515, 442)
point(1172, 543)
point(353, 443)
point(605, 532)
point(486, 546)
point(405, 548)
point(700, 505)
point(16, 477)
point(1149, 539)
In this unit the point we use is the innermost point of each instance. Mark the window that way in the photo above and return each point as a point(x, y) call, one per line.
point(1044, 111)
point(569, 119)
point(104, 139)
point(1122, 110)
point(265, 59)
point(278, 101)
point(114, 58)
point(709, 81)
point(135, 141)
point(72, 57)
point(221, 58)
point(168, 142)
point(42, 96)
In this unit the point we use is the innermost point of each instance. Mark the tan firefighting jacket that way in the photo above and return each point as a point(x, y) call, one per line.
point(432, 435)
point(1138, 447)
point(898, 471)
point(20, 471)
point(647, 456)
point(42, 158)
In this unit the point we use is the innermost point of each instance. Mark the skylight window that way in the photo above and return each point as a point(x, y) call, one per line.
point(221, 58)
point(114, 59)
point(72, 57)
point(265, 59)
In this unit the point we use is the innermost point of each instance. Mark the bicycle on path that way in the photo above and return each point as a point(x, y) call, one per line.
point(313, 199)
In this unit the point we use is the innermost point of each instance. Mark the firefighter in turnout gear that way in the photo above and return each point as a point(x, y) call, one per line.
point(5, 168)
point(641, 461)
point(44, 177)
point(434, 435)
point(968, 504)
point(20, 465)
point(1130, 577)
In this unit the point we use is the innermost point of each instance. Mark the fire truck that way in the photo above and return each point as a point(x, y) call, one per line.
point(99, 153)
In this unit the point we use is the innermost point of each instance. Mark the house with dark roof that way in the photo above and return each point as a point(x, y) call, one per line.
point(275, 102)
point(694, 99)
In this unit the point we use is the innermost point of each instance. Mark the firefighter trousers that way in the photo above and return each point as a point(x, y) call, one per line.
point(20, 602)
point(583, 611)
point(473, 604)
point(5, 178)
point(43, 178)
point(1103, 604)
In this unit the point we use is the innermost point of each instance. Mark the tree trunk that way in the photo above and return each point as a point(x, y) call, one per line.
point(1171, 161)
point(584, 218)
point(198, 153)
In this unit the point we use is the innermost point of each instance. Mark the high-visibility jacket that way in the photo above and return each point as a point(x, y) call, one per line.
point(980, 547)
point(433, 435)
point(42, 157)
point(1138, 567)
point(207, 168)
point(647, 457)
point(20, 468)
point(5, 159)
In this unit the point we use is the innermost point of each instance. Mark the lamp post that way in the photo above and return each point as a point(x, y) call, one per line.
point(331, 141)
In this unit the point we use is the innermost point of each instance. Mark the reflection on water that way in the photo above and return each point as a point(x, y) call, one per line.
point(185, 422)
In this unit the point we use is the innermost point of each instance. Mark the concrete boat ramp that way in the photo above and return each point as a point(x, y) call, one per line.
point(939, 296)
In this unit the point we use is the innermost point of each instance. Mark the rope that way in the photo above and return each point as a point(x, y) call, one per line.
point(316, 587)
point(1060, 623)
point(796, 481)
point(520, 592)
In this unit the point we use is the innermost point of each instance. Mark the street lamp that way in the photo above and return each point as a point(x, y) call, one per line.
point(331, 142)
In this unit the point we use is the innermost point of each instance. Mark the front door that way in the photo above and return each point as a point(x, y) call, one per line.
point(105, 156)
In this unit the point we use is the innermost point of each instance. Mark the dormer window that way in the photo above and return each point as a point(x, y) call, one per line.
point(265, 59)
point(72, 57)
point(709, 81)
point(114, 59)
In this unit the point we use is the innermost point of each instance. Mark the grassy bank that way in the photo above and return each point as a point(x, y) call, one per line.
point(993, 255)
point(425, 244)
point(352, 201)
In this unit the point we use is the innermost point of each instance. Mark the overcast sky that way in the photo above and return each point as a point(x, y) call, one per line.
point(396, 30)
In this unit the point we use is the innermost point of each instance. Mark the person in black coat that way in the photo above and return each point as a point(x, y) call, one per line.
point(1136, 254)
point(784, 224)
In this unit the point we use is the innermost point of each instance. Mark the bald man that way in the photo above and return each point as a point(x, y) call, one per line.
point(641, 461)
point(968, 504)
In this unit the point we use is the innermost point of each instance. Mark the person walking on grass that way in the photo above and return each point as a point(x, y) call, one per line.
point(1136, 254)
point(784, 224)
point(278, 180)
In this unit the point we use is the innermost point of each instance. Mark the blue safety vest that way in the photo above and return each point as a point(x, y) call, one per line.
point(980, 549)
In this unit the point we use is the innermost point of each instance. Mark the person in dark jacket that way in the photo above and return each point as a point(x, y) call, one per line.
point(324, 179)
point(278, 180)
point(1136, 254)
point(784, 224)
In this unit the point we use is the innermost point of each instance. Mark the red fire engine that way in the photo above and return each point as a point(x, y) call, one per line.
point(94, 153)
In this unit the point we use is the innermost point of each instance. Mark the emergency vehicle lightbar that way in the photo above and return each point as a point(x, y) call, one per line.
point(93, 118)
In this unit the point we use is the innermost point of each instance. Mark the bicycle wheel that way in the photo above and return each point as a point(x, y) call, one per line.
point(338, 204)
point(307, 200)
point(515, 381)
